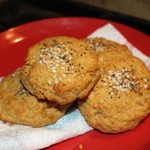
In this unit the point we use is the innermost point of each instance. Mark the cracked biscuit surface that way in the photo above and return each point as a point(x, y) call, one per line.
point(60, 69)
point(18, 106)
point(121, 98)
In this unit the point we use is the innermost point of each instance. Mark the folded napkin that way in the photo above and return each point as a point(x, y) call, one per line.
point(20, 137)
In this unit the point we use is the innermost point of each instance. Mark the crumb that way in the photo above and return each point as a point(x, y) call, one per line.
point(80, 146)
point(11, 124)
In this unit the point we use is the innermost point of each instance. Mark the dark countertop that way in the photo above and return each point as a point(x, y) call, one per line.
point(17, 12)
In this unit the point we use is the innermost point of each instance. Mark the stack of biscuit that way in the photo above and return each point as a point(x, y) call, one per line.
point(111, 86)
point(57, 71)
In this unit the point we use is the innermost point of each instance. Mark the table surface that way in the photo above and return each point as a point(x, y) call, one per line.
point(36, 10)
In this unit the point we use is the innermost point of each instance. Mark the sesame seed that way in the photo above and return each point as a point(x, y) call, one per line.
point(133, 77)
point(109, 77)
point(57, 65)
point(24, 91)
point(69, 80)
point(145, 80)
point(128, 76)
point(41, 49)
point(49, 82)
point(145, 86)
point(54, 76)
point(40, 61)
point(56, 81)
point(53, 67)
point(64, 75)
point(62, 68)
point(63, 63)
point(53, 71)
point(111, 93)
point(110, 72)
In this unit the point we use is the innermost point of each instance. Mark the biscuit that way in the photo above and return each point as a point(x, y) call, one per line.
point(121, 98)
point(18, 106)
point(60, 69)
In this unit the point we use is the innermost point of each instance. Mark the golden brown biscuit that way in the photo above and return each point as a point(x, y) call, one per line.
point(107, 50)
point(60, 69)
point(121, 98)
point(18, 106)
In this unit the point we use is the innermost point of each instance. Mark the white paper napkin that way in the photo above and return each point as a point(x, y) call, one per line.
point(20, 137)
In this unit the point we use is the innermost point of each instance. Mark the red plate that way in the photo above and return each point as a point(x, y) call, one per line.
point(13, 48)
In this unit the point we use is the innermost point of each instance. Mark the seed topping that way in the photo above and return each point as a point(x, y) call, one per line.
point(122, 81)
point(59, 56)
